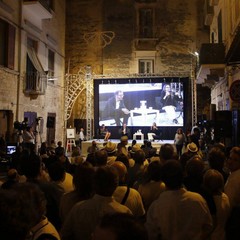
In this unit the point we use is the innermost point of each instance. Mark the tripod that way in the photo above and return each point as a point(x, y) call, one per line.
point(38, 138)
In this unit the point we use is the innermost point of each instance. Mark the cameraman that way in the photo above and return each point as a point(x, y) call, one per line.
point(28, 137)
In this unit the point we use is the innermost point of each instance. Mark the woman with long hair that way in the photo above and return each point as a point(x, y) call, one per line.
point(179, 140)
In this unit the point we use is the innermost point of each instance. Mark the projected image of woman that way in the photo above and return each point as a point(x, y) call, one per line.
point(169, 101)
point(116, 109)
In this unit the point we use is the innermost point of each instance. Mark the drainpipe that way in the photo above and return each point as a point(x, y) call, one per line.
point(19, 59)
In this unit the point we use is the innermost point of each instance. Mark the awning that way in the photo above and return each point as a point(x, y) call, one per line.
point(35, 61)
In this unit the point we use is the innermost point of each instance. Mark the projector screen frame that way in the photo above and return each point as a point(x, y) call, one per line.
point(113, 83)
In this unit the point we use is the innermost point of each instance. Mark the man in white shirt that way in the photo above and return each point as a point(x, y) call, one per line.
point(125, 195)
point(28, 137)
point(232, 190)
point(178, 214)
point(81, 135)
point(85, 215)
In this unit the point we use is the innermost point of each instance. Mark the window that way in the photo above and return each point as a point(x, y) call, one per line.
point(35, 75)
point(145, 66)
point(219, 19)
point(7, 44)
point(145, 23)
point(51, 64)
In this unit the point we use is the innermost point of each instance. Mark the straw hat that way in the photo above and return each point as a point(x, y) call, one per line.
point(110, 147)
point(135, 148)
point(192, 147)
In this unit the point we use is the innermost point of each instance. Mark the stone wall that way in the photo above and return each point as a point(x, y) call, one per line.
point(177, 28)
point(13, 98)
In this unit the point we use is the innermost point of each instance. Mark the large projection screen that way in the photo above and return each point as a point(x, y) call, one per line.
point(157, 100)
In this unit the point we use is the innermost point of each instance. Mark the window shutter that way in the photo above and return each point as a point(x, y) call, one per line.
point(11, 46)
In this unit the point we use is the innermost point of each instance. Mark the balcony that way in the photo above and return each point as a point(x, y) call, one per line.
point(145, 38)
point(211, 63)
point(146, 44)
point(35, 11)
point(40, 7)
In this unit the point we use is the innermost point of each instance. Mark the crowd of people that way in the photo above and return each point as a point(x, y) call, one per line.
point(122, 192)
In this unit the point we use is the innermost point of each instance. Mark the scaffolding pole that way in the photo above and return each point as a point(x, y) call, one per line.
point(194, 92)
point(89, 100)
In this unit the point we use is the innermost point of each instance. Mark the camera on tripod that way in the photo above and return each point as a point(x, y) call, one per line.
point(20, 126)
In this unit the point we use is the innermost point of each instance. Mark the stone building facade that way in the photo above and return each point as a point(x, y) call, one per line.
point(32, 68)
point(122, 37)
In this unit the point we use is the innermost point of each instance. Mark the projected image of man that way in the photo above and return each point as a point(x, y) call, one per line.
point(115, 108)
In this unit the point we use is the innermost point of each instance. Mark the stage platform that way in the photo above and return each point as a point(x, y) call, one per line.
point(85, 144)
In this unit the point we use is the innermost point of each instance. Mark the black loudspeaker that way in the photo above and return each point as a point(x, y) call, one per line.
point(236, 127)
point(50, 122)
point(223, 124)
point(212, 111)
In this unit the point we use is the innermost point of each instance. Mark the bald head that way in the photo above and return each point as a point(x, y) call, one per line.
point(121, 170)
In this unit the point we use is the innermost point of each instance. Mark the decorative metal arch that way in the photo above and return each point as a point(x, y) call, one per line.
point(75, 84)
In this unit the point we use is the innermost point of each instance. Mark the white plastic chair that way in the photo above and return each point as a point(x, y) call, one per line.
point(150, 136)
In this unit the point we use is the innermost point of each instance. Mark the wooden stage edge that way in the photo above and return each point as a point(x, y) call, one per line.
point(156, 144)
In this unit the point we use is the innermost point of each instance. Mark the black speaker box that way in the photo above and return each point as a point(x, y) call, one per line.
point(223, 124)
point(236, 127)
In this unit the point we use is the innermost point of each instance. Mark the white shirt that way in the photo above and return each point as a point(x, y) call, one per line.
point(28, 137)
point(117, 104)
point(133, 202)
point(223, 212)
point(85, 215)
point(178, 215)
point(232, 188)
point(150, 191)
point(81, 135)
point(43, 227)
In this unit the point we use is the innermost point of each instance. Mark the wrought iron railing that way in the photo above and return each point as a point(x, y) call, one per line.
point(35, 83)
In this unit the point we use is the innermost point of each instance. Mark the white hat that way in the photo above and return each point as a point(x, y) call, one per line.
point(110, 147)
point(192, 147)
